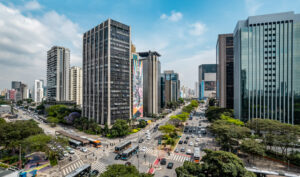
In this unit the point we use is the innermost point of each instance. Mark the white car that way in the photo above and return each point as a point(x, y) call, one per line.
point(143, 149)
point(66, 154)
point(196, 145)
point(193, 136)
point(72, 151)
point(198, 139)
point(148, 138)
point(83, 149)
point(191, 144)
point(188, 152)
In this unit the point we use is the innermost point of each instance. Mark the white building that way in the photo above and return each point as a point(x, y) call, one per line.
point(76, 85)
point(38, 94)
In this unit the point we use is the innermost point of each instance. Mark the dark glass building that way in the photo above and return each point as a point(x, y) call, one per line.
point(266, 68)
point(107, 72)
point(171, 87)
point(224, 76)
point(207, 80)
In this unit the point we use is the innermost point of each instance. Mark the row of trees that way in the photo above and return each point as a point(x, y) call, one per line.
point(116, 170)
point(215, 163)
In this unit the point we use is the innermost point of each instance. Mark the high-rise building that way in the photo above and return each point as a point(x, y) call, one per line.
point(171, 86)
point(137, 86)
point(24, 91)
point(196, 90)
point(76, 85)
point(38, 89)
point(107, 72)
point(266, 68)
point(16, 86)
point(58, 66)
point(151, 82)
point(224, 60)
point(207, 81)
point(12, 94)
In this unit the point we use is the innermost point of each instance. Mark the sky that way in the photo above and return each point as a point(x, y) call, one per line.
point(184, 32)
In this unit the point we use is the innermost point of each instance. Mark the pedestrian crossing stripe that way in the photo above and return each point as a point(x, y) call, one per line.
point(69, 168)
point(180, 158)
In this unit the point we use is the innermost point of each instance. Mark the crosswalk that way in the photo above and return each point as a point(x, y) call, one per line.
point(101, 167)
point(180, 157)
point(71, 167)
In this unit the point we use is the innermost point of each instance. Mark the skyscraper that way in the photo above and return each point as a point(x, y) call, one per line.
point(207, 81)
point(76, 85)
point(58, 66)
point(266, 68)
point(38, 91)
point(171, 86)
point(107, 72)
point(224, 60)
point(16, 85)
point(137, 86)
point(151, 82)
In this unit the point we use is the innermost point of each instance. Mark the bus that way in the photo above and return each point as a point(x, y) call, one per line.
point(122, 146)
point(196, 155)
point(84, 170)
point(129, 152)
point(95, 143)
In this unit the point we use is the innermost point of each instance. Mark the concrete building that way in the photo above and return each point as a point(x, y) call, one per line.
point(24, 91)
point(107, 72)
point(76, 85)
point(266, 68)
point(207, 81)
point(38, 90)
point(137, 86)
point(16, 86)
point(196, 90)
point(151, 82)
point(171, 87)
point(58, 66)
point(12, 94)
point(224, 60)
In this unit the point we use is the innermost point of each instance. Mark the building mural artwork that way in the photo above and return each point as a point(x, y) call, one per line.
point(137, 87)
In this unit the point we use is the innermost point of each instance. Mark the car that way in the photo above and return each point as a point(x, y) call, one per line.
point(188, 152)
point(187, 137)
point(180, 142)
point(95, 173)
point(65, 154)
point(141, 140)
point(193, 136)
point(185, 142)
point(191, 144)
point(197, 140)
point(143, 149)
point(199, 135)
point(196, 144)
point(83, 149)
point(72, 151)
point(163, 161)
point(176, 150)
point(170, 165)
point(148, 138)
point(118, 156)
point(182, 149)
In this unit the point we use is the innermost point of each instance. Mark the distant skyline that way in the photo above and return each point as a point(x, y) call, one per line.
point(183, 32)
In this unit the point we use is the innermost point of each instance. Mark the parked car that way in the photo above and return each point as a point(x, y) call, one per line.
point(176, 150)
point(191, 144)
point(148, 138)
point(170, 165)
point(83, 149)
point(189, 152)
point(196, 144)
point(143, 149)
point(193, 136)
point(182, 149)
point(185, 142)
point(187, 137)
point(163, 161)
point(180, 142)
point(65, 154)
point(141, 140)
point(197, 140)
point(72, 151)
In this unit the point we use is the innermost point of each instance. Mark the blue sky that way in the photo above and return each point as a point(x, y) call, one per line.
point(183, 32)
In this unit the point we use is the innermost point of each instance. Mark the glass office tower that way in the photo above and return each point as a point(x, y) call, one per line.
point(267, 68)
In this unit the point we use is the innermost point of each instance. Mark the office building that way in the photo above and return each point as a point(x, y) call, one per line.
point(76, 85)
point(107, 72)
point(207, 81)
point(24, 91)
point(38, 89)
point(266, 68)
point(171, 87)
point(12, 94)
point(137, 86)
point(58, 66)
point(224, 60)
point(16, 86)
point(151, 82)
point(196, 90)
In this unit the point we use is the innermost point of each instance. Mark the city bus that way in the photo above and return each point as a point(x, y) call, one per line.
point(196, 155)
point(95, 143)
point(122, 146)
point(129, 152)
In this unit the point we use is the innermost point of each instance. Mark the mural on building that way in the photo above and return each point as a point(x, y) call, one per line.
point(137, 87)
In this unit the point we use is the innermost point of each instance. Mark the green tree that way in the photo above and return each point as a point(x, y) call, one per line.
point(2, 121)
point(252, 147)
point(119, 129)
point(142, 124)
point(118, 170)
point(212, 102)
point(214, 113)
point(189, 169)
point(167, 129)
point(36, 143)
point(181, 101)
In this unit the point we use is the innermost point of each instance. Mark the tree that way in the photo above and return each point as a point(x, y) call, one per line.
point(181, 101)
point(189, 169)
point(117, 170)
point(119, 129)
point(214, 113)
point(142, 124)
point(252, 147)
point(2, 121)
point(36, 143)
point(212, 102)
point(167, 129)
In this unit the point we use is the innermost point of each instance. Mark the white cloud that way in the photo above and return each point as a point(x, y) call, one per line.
point(25, 40)
point(174, 17)
point(32, 5)
point(252, 6)
point(197, 29)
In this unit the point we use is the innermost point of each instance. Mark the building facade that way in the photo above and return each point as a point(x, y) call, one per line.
point(137, 86)
point(151, 82)
point(171, 87)
point(38, 89)
point(107, 72)
point(58, 66)
point(196, 90)
point(207, 80)
point(266, 68)
point(224, 60)
point(76, 85)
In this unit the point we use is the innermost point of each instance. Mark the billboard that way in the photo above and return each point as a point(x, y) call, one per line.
point(137, 86)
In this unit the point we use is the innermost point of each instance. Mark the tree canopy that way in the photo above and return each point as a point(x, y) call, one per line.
point(120, 128)
point(118, 170)
point(214, 113)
